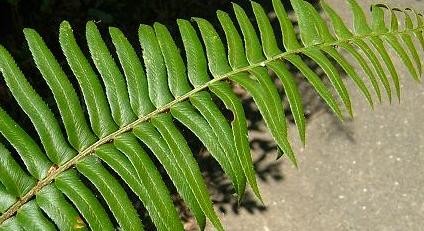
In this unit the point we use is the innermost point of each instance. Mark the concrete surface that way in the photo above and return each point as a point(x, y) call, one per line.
point(365, 174)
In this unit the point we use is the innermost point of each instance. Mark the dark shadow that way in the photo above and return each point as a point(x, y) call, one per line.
point(45, 16)
point(222, 190)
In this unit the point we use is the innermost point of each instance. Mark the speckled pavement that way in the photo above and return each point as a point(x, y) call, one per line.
point(364, 174)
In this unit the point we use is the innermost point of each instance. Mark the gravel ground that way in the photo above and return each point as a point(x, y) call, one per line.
point(364, 174)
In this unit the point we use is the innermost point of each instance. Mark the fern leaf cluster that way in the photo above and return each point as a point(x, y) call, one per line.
point(134, 100)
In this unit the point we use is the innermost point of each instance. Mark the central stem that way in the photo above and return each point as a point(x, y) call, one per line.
point(69, 164)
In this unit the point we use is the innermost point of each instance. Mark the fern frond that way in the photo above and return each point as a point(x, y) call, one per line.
point(141, 103)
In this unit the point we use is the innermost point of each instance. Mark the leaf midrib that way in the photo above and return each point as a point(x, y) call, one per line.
point(109, 138)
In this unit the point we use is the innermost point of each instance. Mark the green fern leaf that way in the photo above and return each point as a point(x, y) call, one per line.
point(134, 101)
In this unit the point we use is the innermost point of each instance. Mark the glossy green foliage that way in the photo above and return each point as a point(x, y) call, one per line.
point(132, 102)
